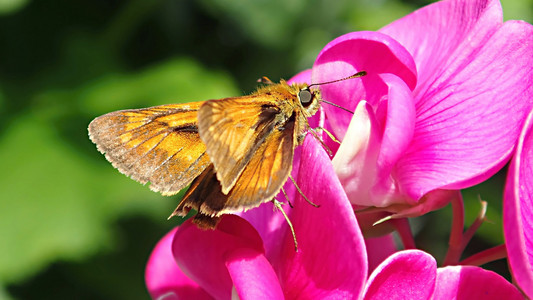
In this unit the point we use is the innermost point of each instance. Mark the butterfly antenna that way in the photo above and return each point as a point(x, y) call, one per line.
point(356, 75)
point(338, 106)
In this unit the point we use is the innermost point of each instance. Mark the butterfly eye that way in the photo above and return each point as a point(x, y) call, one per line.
point(305, 97)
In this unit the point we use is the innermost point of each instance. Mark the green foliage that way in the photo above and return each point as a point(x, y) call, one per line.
point(11, 6)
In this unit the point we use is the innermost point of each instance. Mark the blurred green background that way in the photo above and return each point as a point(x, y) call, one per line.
point(71, 226)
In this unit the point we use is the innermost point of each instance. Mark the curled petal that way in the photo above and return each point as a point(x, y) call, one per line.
point(202, 254)
point(331, 259)
point(518, 211)
point(400, 123)
point(408, 274)
point(469, 282)
point(459, 139)
point(372, 52)
point(164, 279)
point(356, 158)
point(253, 275)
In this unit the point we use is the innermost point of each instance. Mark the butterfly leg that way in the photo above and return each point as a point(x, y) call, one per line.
point(286, 197)
point(301, 193)
point(313, 132)
point(277, 204)
point(331, 136)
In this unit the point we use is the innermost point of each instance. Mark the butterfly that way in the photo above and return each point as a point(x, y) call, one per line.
point(235, 153)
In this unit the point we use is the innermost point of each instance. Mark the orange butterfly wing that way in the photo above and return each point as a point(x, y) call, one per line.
point(267, 170)
point(259, 163)
point(260, 181)
point(233, 129)
point(160, 144)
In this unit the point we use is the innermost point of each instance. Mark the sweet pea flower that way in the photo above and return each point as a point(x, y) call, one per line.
point(447, 91)
point(261, 262)
point(518, 211)
point(238, 260)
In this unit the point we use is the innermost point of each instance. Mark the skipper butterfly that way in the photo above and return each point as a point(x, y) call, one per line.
point(235, 153)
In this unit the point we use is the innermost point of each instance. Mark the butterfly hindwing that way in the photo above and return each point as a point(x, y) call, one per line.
point(260, 181)
point(160, 144)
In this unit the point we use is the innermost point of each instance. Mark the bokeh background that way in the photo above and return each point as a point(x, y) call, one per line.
point(71, 226)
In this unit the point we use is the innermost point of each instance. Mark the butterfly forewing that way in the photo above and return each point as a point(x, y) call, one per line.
point(260, 181)
point(267, 170)
point(160, 145)
point(232, 130)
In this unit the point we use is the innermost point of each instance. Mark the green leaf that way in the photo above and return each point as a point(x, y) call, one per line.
point(11, 6)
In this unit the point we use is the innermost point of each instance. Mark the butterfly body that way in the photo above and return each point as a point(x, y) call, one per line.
point(235, 153)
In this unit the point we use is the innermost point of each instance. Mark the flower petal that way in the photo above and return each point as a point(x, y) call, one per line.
point(459, 139)
point(331, 259)
point(302, 77)
point(164, 279)
point(202, 254)
point(378, 249)
point(518, 211)
point(433, 34)
point(356, 159)
point(408, 274)
point(372, 52)
point(399, 125)
point(469, 282)
point(253, 275)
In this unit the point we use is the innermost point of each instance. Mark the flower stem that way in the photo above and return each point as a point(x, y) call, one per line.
point(405, 233)
point(456, 235)
point(467, 236)
point(486, 256)
point(458, 239)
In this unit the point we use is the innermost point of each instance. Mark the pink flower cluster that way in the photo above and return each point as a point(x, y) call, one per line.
point(444, 106)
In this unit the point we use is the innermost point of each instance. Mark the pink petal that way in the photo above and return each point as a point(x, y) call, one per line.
point(378, 249)
point(399, 125)
point(357, 51)
point(408, 274)
point(369, 151)
point(436, 34)
point(469, 118)
point(269, 222)
point(252, 275)
point(469, 282)
point(302, 77)
point(202, 254)
point(518, 211)
point(271, 226)
point(164, 279)
point(331, 259)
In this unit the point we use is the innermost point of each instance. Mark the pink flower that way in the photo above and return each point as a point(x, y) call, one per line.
point(518, 211)
point(261, 262)
point(447, 90)
point(331, 263)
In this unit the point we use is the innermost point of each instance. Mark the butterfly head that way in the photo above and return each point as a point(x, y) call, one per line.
point(309, 99)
